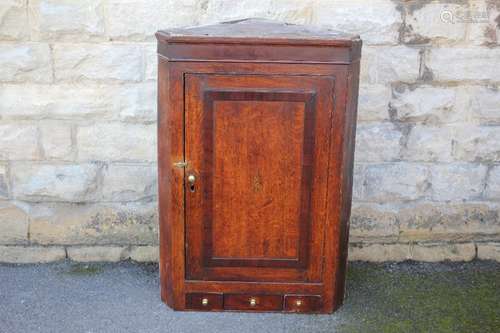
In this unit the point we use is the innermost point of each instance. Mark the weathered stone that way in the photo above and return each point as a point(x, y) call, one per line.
point(428, 144)
point(103, 108)
point(377, 24)
point(457, 181)
point(97, 253)
point(56, 140)
point(25, 62)
point(377, 142)
point(442, 252)
point(458, 64)
point(477, 143)
point(129, 182)
point(98, 62)
point(484, 29)
point(151, 62)
point(19, 142)
point(62, 182)
point(31, 254)
point(13, 223)
point(485, 104)
point(493, 184)
point(137, 19)
point(54, 101)
point(117, 142)
point(379, 252)
point(358, 180)
point(449, 222)
point(137, 102)
point(488, 251)
point(424, 104)
point(4, 182)
point(130, 102)
point(221, 10)
point(13, 20)
point(373, 222)
point(385, 64)
point(395, 181)
point(144, 253)
point(94, 224)
point(435, 21)
point(67, 19)
point(373, 102)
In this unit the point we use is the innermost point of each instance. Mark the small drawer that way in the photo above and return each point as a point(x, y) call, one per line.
point(303, 303)
point(250, 302)
point(204, 301)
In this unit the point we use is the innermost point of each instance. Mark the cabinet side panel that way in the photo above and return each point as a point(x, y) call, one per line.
point(170, 182)
point(334, 191)
point(347, 174)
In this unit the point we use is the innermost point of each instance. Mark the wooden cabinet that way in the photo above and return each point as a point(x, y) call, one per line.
point(256, 126)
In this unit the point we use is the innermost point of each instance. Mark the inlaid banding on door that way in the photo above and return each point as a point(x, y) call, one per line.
point(297, 107)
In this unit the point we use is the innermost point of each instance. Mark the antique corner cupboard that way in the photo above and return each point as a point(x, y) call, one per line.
point(256, 127)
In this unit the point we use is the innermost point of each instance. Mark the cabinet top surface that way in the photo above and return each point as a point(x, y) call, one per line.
point(258, 31)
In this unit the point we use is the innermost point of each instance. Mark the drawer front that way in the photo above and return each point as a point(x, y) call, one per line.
point(302, 303)
point(204, 301)
point(249, 302)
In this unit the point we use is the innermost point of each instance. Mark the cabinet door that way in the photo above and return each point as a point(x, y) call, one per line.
point(256, 148)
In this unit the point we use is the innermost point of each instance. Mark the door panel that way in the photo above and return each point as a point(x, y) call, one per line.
point(257, 146)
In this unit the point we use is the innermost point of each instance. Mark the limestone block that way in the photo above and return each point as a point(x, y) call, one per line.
point(98, 62)
point(97, 253)
point(443, 252)
point(13, 20)
point(457, 181)
point(24, 62)
point(129, 182)
point(117, 142)
point(488, 251)
point(31, 254)
point(19, 141)
point(379, 252)
point(89, 224)
point(67, 20)
point(378, 142)
point(13, 223)
point(54, 182)
point(396, 181)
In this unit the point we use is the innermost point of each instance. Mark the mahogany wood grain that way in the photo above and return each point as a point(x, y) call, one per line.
point(277, 114)
point(265, 121)
point(204, 301)
point(302, 303)
point(253, 302)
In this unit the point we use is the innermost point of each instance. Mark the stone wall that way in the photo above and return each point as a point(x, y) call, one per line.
point(77, 124)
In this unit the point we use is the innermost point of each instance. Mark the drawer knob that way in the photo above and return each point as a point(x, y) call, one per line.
point(298, 302)
point(204, 301)
point(253, 301)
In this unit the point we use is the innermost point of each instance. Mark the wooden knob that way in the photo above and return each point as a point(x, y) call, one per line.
point(298, 302)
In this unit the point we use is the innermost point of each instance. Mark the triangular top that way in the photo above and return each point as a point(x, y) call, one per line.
point(259, 30)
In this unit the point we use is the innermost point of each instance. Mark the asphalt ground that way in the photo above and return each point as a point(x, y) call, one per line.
point(124, 297)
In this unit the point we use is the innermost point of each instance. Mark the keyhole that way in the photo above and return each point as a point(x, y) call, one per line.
point(191, 180)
